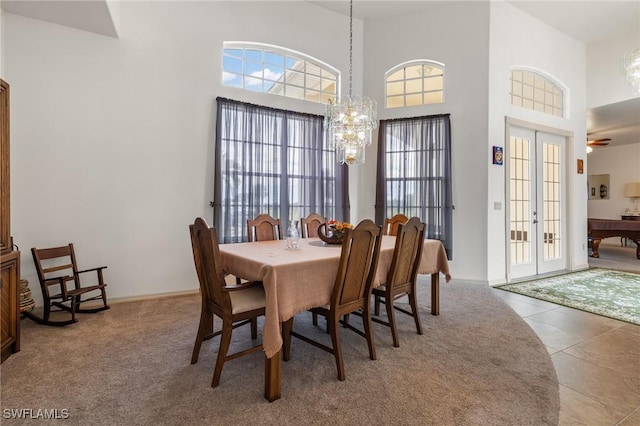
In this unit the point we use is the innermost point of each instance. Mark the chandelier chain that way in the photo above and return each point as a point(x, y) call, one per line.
point(350, 45)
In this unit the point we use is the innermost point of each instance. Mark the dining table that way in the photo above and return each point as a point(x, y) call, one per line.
point(297, 280)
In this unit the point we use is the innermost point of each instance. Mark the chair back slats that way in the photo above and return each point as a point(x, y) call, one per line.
point(310, 225)
point(57, 268)
point(391, 225)
point(407, 253)
point(264, 228)
point(266, 232)
point(358, 262)
point(50, 253)
point(208, 263)
point(55, 259)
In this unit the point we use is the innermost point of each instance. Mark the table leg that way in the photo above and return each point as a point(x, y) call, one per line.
point(272, 377)
point(594, 246)
point(435, 293)
point(637, 247)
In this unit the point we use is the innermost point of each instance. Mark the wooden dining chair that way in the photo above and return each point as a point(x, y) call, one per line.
point(402, 277)
point(310, 225)
point(236, 305)
point(264, 228)
point(391, 224)
point(57, 269)
point(351, 292)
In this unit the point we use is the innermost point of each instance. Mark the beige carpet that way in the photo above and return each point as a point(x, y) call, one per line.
point(478, 363)
point(613, 256)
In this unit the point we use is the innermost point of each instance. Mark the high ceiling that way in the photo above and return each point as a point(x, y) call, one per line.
point(91, 15)
point(587, 21)
point(620, 122)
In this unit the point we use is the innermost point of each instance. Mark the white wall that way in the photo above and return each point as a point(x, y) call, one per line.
point(606, 84)
point(622, 164)
point(112, 138)
point(456, 34)
point(113, 6)
point(518, 39)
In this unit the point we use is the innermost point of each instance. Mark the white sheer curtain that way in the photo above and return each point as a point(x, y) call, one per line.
point(276, 162)
point(414, 173)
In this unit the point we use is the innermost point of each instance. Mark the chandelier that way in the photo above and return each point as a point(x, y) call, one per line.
point(350, 122)
point(631, 65)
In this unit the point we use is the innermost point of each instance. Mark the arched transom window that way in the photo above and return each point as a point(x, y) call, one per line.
point(271, 69)
point(532, 90)
point(418, 82)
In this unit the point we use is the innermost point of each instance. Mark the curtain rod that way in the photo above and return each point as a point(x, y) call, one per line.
point(233, 101)
point(417, 118)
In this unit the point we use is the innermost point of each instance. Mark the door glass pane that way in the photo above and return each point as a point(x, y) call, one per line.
point(551, 199)
point(519, 184)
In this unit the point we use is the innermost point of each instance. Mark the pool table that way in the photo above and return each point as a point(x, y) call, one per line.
point(604, 228)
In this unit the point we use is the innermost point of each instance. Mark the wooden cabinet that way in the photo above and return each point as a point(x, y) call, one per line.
point(10, 304)
point(9, 259)
point(5, 219)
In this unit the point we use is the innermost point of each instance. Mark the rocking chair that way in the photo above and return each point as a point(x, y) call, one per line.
point(56, 293)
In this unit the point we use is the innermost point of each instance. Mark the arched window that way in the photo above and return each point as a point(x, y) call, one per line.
point(419, 82)
point(271, 69)
point(532, 90)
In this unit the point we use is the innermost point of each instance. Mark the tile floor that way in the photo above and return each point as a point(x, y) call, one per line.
point(597, 360)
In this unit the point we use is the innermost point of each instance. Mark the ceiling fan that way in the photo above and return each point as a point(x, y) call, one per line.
point(599, 142)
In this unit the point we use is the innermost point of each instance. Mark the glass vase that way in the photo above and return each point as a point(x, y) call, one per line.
point(293, 236)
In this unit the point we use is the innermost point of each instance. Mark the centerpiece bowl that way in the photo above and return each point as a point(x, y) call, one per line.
point(333, 232)
point(322, 234)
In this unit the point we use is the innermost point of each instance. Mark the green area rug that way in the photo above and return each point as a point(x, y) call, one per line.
point(614, 294)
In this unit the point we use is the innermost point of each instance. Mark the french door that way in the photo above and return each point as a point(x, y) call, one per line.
point(536, 194)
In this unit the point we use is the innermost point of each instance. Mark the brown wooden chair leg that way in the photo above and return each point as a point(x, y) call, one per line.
point(392, 320)
point(314, 318)
point(414, 308)
point(337, 346)
point(47, 311)
point(254, 328)
point(46, 315)
point(74, 306)
point(368, 330)
point(104, 297)
point(204, 328)
point(376, 303)
point(225, 342)
point(345, 320)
